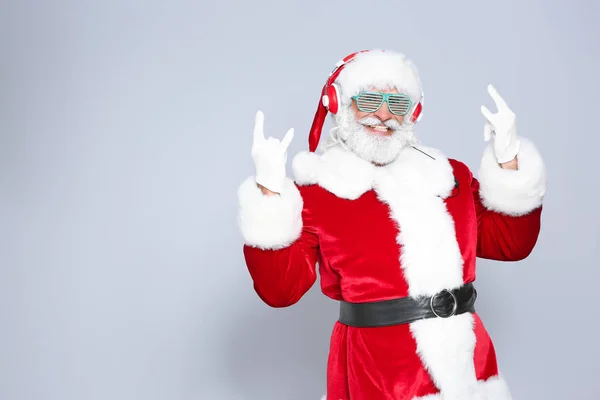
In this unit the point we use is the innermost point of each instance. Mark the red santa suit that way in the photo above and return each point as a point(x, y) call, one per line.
point(413, 227)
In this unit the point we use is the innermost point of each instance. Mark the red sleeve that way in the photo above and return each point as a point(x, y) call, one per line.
point(509, 205)
point(504, 237)
point(280, 243)
point(281, 277)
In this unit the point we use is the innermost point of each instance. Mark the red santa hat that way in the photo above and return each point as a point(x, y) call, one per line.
point(363, 70)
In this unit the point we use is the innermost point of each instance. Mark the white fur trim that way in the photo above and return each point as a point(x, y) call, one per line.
point(494, 388)
point(431, 261)
point(446, 348)
point(414, 187)
point(380, 69)
point(513, 192)
point(269, 222)
point(424, 169)
point(339, 171)
point(348, 176)
point(411, 191)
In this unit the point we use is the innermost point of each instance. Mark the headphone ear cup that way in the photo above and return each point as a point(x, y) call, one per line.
point(416, 115)
point(333, 95)
point(418, 111)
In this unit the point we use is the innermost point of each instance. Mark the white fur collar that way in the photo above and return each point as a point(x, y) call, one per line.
point(346, 175)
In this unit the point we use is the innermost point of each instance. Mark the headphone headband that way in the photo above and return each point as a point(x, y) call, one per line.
point(339, 66)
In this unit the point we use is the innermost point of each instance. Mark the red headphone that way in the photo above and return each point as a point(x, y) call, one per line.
point(330, 102)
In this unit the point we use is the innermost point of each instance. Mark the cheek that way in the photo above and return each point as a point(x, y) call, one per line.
point(360, 115)
point(357, 113)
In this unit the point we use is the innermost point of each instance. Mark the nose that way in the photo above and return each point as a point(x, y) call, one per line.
point(384, 112)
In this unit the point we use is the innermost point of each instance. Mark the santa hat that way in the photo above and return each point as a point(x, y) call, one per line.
point(381, 69)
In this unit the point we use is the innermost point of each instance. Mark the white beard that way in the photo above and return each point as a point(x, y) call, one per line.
point(373, 148)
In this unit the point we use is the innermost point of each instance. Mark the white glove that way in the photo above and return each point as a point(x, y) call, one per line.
point(270, 156)
point(502, 128)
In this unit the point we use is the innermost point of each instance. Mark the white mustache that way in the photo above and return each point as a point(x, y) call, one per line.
point(372, 121)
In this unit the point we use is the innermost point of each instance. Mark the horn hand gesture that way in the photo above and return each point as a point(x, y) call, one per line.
point(501, 128)
point(270, 156)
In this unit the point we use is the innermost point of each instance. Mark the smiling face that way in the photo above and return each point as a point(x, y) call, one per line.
point(377, 136)
point(381, 122)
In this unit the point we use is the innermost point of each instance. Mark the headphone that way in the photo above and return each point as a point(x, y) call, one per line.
point(331, 100)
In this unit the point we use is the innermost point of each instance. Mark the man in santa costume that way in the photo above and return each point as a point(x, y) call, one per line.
point(395, 229)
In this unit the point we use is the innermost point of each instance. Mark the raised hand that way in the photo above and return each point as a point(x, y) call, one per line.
point(501, 127)
point(270, 156)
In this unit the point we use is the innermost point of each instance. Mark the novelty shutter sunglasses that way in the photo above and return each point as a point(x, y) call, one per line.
point(369, 102)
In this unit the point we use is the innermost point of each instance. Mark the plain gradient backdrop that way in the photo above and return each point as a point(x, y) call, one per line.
point(126, 128)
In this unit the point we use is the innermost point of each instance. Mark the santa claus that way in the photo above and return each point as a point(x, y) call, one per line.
point(395, 229)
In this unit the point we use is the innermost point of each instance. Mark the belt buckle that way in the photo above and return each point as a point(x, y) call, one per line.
point(454, 307)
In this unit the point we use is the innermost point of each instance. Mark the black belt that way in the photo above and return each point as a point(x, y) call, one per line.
point(409, 309)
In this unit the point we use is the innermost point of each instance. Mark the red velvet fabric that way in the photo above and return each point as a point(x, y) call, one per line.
point(359, 260)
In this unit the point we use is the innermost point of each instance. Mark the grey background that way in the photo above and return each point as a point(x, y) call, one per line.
point(125, 129)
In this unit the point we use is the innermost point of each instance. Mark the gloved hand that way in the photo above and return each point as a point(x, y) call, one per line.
point(270, 156)
point(502, 128)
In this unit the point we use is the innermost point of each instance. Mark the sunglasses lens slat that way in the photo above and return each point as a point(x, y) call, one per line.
point(398, 104)
point(369, 102)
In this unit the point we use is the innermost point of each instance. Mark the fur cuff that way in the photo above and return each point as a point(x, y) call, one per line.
point(513, 192)
point(269, 222)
